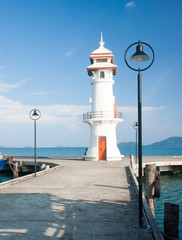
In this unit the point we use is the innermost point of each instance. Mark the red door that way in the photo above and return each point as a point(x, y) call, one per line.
point(102, 148)
point(115, 112)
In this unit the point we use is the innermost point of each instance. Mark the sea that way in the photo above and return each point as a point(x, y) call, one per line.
point(171, 191)
point(79, 151)
point(171, 185)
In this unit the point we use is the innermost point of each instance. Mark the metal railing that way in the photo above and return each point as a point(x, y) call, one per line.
point(102, 114)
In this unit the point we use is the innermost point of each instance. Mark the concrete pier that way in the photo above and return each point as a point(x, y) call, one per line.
point(167, 164)
point(76, 200)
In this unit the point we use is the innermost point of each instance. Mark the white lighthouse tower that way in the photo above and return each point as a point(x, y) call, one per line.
point(103, 117)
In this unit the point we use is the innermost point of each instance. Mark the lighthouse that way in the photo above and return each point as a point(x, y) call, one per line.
point(103, 117)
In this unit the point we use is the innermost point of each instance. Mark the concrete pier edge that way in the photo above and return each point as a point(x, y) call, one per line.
point(157, 235)
point(23, 178)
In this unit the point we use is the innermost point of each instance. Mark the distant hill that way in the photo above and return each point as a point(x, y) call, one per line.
point(170, 142)
point(126, 144)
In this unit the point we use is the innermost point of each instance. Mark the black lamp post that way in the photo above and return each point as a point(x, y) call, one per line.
point(35, 115)
point(139, 56)
point(135, 126)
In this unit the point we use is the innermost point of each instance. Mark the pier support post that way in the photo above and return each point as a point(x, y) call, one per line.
point(131, 161)
point(171, 221)
point(16, 170)
point(11, 159)
point(150, 173)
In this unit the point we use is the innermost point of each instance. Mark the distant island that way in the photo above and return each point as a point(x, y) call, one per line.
point(167, 143)
point(171, 142)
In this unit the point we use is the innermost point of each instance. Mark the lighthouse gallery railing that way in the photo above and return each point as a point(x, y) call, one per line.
point(102, 114)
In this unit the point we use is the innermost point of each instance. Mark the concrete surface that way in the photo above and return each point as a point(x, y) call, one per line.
point(79, 200)
point(171, 164)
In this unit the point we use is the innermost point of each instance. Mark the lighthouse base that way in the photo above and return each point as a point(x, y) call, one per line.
point(119, 158)
point(103, 151)
point(103, 145)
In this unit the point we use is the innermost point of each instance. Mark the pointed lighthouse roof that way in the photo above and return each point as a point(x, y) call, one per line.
point(101, 50)
point(106, 62)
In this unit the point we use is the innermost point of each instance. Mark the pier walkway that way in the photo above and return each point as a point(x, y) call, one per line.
point(78, 200)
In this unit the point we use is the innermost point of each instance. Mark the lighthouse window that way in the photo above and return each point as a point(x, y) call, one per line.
point(102, 75)
point(101, 60)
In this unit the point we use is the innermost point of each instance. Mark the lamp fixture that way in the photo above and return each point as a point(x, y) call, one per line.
point(139, 55)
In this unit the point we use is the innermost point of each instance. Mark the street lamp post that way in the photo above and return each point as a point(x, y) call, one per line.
point(139, 56)
point(135, 126)
point(35, 115)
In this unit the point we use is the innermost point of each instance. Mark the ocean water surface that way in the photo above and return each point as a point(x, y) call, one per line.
point(5, 176)
point(171, 192)
point(79, 151)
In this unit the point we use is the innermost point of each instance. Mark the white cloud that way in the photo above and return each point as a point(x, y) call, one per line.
point(131, 110)
point(151, 109)
point(130, 4)
point(65, 115)
point(7, 87)
point(59, 124)
point(69, 53)
point(11, 111)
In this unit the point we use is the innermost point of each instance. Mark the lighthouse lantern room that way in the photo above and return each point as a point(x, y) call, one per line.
point(103, 117)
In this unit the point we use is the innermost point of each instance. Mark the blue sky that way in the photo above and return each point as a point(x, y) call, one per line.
point(44, 52)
